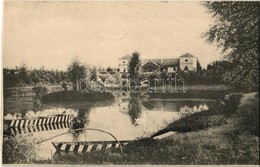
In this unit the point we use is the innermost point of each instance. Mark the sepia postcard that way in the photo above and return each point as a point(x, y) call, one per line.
point(130, 83)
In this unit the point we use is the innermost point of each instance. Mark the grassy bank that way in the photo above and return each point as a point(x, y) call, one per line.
point(232, 138)
point(74, 96)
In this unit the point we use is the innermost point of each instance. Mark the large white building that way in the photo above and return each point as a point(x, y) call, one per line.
point(185, 62)
point(188, 62)
point(123, 63)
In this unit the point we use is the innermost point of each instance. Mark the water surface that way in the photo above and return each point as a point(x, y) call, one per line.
point(126, 118)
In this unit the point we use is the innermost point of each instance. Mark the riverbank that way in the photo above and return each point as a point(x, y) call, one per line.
point(231, 138)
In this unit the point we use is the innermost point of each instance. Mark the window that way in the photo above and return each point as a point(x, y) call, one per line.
point(186, 60)
point(170, 69)
point(186, 68)
point(123, 61)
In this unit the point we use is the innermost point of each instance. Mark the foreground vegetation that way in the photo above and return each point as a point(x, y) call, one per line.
point(227, 136)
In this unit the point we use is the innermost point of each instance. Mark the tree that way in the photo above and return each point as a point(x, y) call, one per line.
point(236, 32)
point(76, 71)
point(199, 68)
point(109, 69)
point(118, 77)
point(24, 74)
point(134, 66)
point(94, 74)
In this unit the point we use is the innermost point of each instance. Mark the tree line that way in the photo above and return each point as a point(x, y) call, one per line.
point(214, 73)
point(23, 76)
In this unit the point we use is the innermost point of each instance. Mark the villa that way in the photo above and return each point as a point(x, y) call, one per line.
point(184, 62)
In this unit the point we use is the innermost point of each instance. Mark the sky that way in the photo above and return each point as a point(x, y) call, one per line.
point(51, 34)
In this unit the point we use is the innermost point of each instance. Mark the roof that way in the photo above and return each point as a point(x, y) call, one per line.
point(150, 62)
point(126, 57)
point(162, 62)
point(156, 61)
point(187, 55)
point(170, 62)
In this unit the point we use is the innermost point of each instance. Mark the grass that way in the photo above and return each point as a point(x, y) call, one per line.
point(220, 137)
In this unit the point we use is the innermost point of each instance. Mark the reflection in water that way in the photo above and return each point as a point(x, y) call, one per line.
point(128, 118)
point(185, 111)
point(80, 121)
point(134, 109)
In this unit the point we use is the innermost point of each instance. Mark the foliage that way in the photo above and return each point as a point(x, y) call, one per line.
point(109, 70)
point(247, 117)
point(134, 66)
point(76, 71)
point(18, 150)
point(94, 74)
point(118, 77)
point(199, 68)
point(210, 147)
point(236, 32)
point(213, 74)
point(22, 76)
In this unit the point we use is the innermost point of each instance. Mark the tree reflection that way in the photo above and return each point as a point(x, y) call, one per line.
point(134, 108)
point(150, 105)
point(81, 121)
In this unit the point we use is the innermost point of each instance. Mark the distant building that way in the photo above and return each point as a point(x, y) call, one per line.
point(123, 63)
point(169, 65)
point(186, 62)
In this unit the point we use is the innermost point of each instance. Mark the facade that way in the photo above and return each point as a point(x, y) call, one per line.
point(186, 62)
point(123, 63)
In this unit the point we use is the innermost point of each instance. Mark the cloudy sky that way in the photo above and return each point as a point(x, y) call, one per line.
point(51, 34)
